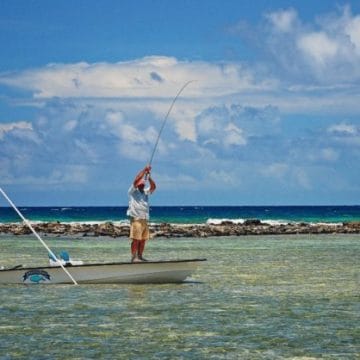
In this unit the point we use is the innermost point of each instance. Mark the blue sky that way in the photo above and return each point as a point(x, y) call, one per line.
point(272, 119)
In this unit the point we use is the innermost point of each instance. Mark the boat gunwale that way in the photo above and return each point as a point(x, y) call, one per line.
point(106, 264)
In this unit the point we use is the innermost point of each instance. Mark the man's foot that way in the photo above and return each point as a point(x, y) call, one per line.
point(142, 259)
point(134, 258)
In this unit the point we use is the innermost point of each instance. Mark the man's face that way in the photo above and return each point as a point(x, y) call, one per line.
point(141, 187)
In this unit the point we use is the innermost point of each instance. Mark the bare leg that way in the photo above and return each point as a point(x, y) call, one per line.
point(134, 249)
point(141, 249)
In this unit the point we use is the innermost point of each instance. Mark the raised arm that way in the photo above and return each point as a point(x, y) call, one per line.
point(152, 184)
point(141, 175)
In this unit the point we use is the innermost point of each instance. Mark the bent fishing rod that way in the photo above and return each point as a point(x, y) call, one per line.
point(165, 119)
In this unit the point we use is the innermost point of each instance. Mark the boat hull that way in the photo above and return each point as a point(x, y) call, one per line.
point(172, 271)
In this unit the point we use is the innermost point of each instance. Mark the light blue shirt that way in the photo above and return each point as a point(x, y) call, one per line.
point(138, 203)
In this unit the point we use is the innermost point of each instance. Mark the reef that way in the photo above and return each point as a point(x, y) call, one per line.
point(225, 228)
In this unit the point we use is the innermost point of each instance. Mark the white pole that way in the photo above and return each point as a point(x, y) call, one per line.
point(37, 235)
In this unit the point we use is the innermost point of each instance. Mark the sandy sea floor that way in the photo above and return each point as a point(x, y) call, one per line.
point(257, 297)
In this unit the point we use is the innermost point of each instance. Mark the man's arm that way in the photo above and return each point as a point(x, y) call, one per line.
point(141, 174)
point(152, 184)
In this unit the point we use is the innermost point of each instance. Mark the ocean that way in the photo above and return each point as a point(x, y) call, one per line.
point(189, 214)
point(256, 297)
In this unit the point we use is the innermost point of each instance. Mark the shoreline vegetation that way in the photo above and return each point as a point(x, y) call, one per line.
point(225, 228)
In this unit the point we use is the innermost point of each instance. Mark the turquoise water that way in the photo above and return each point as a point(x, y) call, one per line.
point(188, 214)
point(270, 297)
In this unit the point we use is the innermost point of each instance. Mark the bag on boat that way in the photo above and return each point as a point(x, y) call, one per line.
point(65, 260)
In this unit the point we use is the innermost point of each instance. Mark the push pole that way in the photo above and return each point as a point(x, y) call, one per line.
point(37, 235)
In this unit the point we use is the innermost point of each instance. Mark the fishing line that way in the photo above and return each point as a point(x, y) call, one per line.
point(164, 121)
point(37, 235)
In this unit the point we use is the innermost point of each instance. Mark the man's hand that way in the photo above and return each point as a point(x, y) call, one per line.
point(147, 169)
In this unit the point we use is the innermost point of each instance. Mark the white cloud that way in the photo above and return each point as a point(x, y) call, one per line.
point(6, 128)
point(135, 79)
point(110, 113)
point(134, 139)
point(325, 52)
point(283, 20)
point(318, 46)
point(186, 129)
point(343, 128)
point(234, 135)
point(135, 143)
point(352, 28)
point(216, 127)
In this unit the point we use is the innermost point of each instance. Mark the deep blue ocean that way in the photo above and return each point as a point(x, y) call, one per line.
point(189, 214)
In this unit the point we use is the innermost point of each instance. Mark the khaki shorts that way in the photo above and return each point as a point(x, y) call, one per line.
point(139, 229)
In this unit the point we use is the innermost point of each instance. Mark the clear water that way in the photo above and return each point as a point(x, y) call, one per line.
point(270, 297)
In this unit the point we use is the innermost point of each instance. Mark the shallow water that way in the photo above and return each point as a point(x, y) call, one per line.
point(270, 297)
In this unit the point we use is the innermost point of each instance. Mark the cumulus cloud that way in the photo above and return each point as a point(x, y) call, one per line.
point(319, 47)
point(152, 76)
point(352, 29)
point(230, 127)
point(19, 128)
point(215, 129)
point(327, 51)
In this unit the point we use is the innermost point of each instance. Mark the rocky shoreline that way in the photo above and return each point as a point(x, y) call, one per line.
point(249, 227)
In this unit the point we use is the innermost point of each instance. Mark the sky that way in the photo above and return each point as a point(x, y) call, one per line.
point(272, 116)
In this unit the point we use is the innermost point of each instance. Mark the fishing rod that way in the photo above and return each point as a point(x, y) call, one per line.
point(37, 235)
point(166, 117)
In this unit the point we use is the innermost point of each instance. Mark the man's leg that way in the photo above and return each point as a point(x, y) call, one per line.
point(145, 236)
point(134, 249)
point(141, 249)
point(135, 235)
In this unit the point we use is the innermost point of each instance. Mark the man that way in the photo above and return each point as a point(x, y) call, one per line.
point(139, 212)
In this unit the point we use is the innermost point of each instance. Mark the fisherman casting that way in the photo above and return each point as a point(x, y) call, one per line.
point(138, 212)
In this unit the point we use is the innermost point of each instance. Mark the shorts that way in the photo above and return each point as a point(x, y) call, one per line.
point(139, 229)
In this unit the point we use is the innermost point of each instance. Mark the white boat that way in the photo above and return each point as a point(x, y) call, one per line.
point(170, 271)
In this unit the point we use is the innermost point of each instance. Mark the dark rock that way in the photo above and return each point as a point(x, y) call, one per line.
point(226, 222)
point(252, 222)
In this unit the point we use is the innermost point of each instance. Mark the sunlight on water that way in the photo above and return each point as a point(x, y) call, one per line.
point(256, 298)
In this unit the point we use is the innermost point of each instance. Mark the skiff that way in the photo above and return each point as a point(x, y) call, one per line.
point(169, 271)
